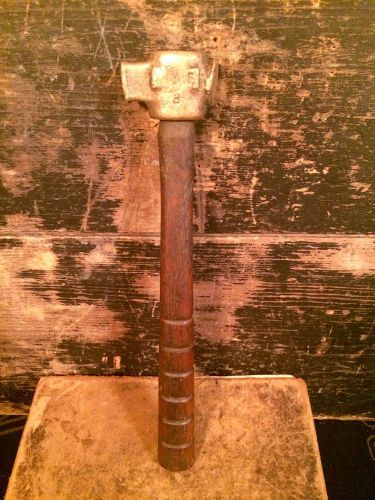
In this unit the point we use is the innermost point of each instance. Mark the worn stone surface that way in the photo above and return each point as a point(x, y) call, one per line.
point(287, 149)
point(95, 438)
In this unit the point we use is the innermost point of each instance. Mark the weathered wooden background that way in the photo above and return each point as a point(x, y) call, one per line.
point(284, 252)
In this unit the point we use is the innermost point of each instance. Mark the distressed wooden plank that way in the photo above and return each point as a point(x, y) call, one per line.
point(296, 304)
point(288, 147)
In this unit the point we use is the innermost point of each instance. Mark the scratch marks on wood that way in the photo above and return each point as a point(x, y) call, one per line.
point(66, 301)
point(285, 97)
point(324, 344)
point(322, 117)
point(96, 182)
point(62, 17)
point(103, 254)
point(104, 171)
point(44, 260)
point(34, 326)
point(20, 100)
point(226, 46)
point(261, 109)
point(26, 20)
point(103, 40)
point(356, 257)
point(90, 201)
point(140, 208)
point(234, 15)
point(253, 183)
point(172, 25)
point(287, 147)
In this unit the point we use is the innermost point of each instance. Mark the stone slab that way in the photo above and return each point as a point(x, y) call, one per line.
point(96, 438)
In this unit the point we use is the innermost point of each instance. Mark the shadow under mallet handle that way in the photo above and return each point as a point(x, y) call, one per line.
point(176, 376)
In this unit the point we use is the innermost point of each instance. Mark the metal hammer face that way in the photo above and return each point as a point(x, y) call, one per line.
point(175, 85)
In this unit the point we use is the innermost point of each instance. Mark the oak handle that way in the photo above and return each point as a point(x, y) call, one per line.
point(176, 376)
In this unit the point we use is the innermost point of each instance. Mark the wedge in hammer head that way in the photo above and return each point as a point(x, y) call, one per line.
point(175, 85)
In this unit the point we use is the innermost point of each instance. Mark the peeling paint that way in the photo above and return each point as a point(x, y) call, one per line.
point(42, 261)
point(75, 156)
point(287, 147)
point(261, 304)
point(356, 257)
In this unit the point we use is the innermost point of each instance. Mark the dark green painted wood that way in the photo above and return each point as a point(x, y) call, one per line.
point(288, 147)
point(297, 305)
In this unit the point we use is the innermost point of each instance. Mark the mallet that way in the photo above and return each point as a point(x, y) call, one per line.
point(175, 85)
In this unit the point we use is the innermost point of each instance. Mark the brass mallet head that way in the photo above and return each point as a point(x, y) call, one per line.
point(175, 85)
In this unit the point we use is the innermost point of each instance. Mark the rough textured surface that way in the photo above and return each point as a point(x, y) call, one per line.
point(263, 304)
point(288, 147)
point(95, 438)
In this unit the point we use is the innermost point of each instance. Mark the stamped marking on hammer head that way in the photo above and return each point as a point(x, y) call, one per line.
point(175, 85)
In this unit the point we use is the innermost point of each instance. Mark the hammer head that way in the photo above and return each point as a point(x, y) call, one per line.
point(175, 85)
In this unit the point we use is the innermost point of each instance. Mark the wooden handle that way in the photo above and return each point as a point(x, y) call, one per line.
point(176, 376)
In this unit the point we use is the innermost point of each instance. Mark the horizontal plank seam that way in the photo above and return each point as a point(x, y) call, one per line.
point(280, 236)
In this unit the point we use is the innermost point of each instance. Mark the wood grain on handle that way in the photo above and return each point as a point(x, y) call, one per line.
point(176, 377)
